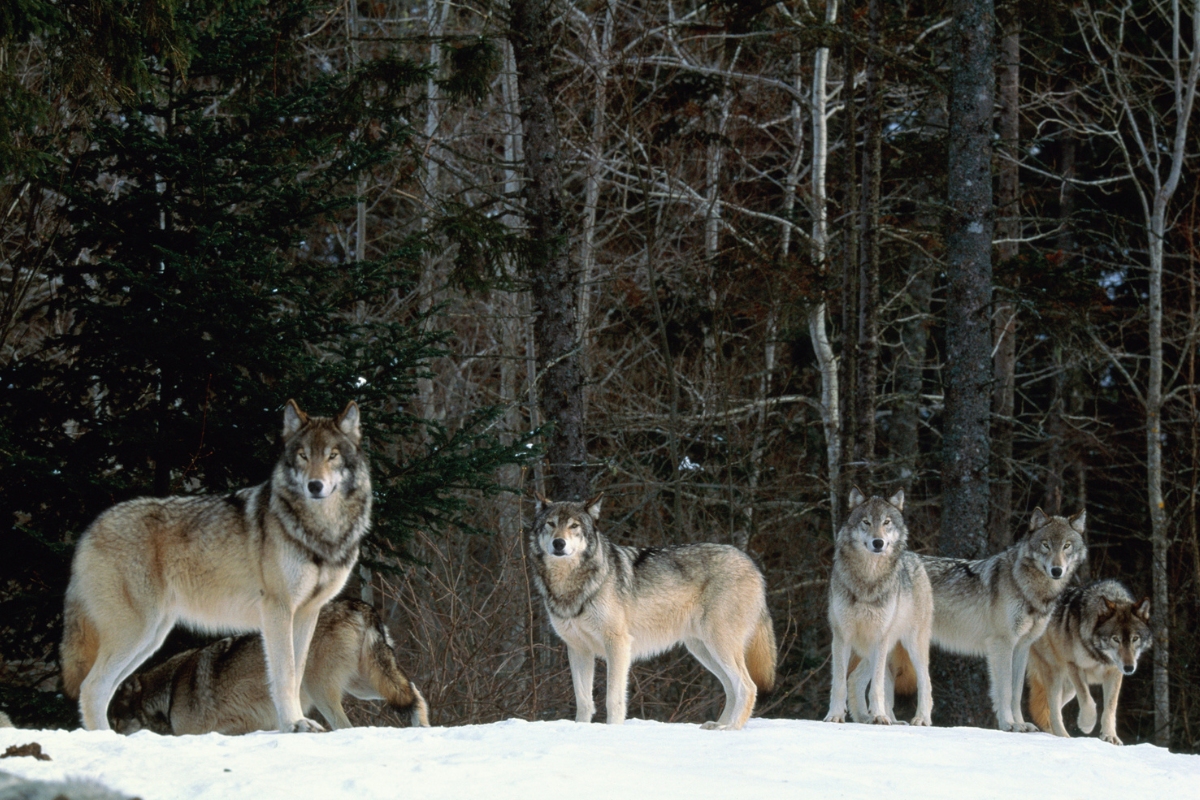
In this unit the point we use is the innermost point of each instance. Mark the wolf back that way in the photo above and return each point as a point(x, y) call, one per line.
point(265, 558)
point(626, 603)
point(222, 687)
point(1096, 635)
point(998, 606)
point(879, 596)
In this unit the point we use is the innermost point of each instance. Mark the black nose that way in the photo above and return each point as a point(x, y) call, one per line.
point(1056, 572)
point(877, 544)
point(315, 487)
point(559, 545)
point(1129, 669)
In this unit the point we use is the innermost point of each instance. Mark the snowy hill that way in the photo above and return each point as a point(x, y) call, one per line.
point(520, 760)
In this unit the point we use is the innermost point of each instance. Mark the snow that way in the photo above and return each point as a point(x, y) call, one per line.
point(770, 758)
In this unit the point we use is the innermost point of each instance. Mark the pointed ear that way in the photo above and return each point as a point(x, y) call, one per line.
point(898, 499)
point(293, 419)
point(856, 497)
point(1143, 609)
point(1079, 520)
point(540, 502)
point(347, 422)
point(1038, 520)
point(593, 506)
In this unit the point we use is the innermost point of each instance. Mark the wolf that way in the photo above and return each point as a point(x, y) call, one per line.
point(879, 597)
point(628, 603)
point(223, 687)
point(13, 787)
point(1096, 635)
point(997, 607)
point(266, 558)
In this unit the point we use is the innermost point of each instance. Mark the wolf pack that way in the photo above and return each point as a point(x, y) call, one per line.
point(268, 563)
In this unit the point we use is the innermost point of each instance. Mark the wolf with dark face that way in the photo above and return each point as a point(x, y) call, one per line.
point(625, 604)
point(1096, 635)
point(265, 558)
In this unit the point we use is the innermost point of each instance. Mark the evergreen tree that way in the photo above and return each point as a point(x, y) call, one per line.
point(193, 300)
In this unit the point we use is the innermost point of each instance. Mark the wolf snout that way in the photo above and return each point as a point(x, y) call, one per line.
point(1129, 669)
point(877, 545)
point(560, 546)
point(1056, 572)
point(316, 490)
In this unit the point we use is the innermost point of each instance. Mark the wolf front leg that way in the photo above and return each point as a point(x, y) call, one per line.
point(283, 679)
point(1108, 722)
point(583, 668)
point(837, 688)
point(618, 655)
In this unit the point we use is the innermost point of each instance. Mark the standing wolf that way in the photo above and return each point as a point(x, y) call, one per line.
point(1095, 635)
point(223, 687)
point(626, 603)
point(265, 558)
point(879, 596)
point(997, 607)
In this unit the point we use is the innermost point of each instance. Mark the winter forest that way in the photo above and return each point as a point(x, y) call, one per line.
point(719, 261)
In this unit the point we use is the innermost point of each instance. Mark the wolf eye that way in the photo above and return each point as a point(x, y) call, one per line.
point(1045, 545)
point(333, 454)
point(574, 525)
point(303, 456)
point(1135, 639)
point(1066, 546)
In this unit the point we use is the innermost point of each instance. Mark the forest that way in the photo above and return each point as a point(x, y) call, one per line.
point(718, 261)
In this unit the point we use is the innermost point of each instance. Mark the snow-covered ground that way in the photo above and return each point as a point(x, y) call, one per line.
point(775, 759)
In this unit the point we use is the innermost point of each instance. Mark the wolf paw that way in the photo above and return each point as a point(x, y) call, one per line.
point(1087, 719)
point(713, 725)
point(306, 726)
point(832, 717)
point(1111, 739)
point(921, 721)
point(880, 719)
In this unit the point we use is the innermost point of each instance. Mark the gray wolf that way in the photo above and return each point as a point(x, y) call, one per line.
point(266, 558)
point(998, 607)
point(14, 788)
point(628, 603)
point(1095, 635)
point(223, 687)
point(879, 597)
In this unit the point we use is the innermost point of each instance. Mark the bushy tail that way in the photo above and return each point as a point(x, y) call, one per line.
point(79, 646)
point(1039, 701)
point(760, 655)
point(396, 689)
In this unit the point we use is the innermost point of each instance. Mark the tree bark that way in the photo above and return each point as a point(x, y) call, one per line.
point(555, 281)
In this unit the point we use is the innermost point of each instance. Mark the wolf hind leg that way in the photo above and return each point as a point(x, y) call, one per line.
point(700, 650)
point(116, 660)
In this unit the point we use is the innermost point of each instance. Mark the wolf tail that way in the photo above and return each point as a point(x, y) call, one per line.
point(1039, 700)
point(79, 646)
point(760, 654)
point(396, 690)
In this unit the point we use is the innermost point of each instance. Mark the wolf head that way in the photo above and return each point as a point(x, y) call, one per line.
point(876, 525)
point(1056, 544)
point(322, 454)
point(562, 530)
point(1122, 630)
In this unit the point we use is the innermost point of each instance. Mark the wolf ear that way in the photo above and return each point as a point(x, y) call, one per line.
point(1078, 520)
point(1038, 520)
point(542, 500)
point(856, 497)
point(898, 499)
point(1142, 609)
point(293, 419)
point(347, 422)
point(593, 506)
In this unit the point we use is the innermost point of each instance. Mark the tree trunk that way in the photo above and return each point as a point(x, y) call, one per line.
point(868, 265)
point(1005, 316)
point(968, 371)
point(555, 282)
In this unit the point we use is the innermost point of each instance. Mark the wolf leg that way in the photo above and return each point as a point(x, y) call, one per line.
point(1020, 662)
point(1108, 722)
point(837, 689)
point(698, 649)
point(1000, 669)
point(583, 668)
point(120, 654)
point(917, 646)
point(618, 649)
point(1087, 705)
point(282, 679)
